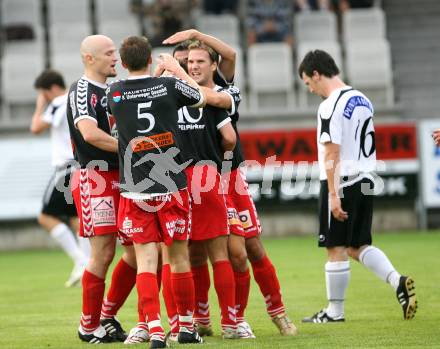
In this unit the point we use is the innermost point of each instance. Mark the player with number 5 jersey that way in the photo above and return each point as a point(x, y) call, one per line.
point(155, 205)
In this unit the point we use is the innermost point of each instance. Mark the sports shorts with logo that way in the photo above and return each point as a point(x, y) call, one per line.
point(209, 214)
point(96, 197)
point(240, 201)
point(56, 201)
point(357, 201)
point(163, 218)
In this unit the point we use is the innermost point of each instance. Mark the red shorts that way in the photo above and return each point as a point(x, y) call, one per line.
point(96, 197)
point(164, 218)
point(240, 201)
point(209, 214)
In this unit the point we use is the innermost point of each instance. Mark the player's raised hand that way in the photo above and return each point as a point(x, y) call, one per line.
point(168, 62)
point(189, 34)
point(436, 137)
point(337, 211)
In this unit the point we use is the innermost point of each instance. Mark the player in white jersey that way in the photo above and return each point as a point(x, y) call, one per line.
point(346, 156)
point(50, 112)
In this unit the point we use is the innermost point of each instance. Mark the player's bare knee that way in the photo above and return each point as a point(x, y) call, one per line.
point(197, 259)
point(354, 252)
point(255, 249)
point(104, 257)
point(337, 254)
point(238, 261)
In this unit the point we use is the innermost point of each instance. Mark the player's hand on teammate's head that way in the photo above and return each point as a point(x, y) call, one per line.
point(189, 34)
point(336, 208)
point(168, 62)
point(436, 137)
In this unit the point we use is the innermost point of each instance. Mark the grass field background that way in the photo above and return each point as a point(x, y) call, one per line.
point(36, 311)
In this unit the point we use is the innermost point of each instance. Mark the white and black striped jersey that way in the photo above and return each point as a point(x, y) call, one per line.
point(146, 113)
point(87, 100)
point(346, 118)
point(55, 115)
point(199, 129)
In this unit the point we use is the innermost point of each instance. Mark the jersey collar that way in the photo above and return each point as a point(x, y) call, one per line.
point(99, 84)
point(136, 77)
point(57, 101)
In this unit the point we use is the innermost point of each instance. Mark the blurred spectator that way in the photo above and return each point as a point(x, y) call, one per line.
point(269, 21)
point(166, 22)
point(218, 7)
point(308, 5)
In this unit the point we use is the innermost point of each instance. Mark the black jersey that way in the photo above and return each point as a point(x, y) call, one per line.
point(199, 129)
point(146, 113)
point(87, 100)
point(234, 92)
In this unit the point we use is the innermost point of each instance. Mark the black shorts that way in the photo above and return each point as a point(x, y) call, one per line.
point(356, 230)
point(54, 200)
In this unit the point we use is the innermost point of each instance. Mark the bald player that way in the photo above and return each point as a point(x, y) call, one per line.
point(96, 193)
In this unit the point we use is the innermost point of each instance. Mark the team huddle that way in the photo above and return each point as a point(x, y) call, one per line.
point(171, 177)
point(160, 169)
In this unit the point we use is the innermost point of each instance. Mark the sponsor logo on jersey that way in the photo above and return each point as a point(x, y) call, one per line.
point(127, 223)
point(353, 103)
point(117, 97)
point(128, 229)
point(245, 218)
point(155, 141)
point(177, 226)
point(233, 217)
point(93, 100)
point(103, 211)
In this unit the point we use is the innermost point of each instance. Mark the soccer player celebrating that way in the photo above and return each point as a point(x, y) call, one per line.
point(96, 194)
point(239, 203)
point(347, 157)
point(50, 112)
point(154, 204)
point(208, 134)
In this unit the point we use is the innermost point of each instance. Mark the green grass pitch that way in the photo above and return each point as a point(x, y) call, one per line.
point(36, 311)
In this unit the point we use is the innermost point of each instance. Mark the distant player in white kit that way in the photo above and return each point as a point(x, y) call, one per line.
point(347, 157)
point(50, 112)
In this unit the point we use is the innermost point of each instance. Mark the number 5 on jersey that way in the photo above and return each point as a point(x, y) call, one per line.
point(148, 116)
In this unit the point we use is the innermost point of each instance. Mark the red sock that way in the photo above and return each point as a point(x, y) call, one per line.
point(242, 287)
point(183, 292)
point(142, 322)
point(159, 277)
point(168, 298)
point(266, 278)
point(148, 291)
point(93, 293)
point(225, 287)
point(123, 281)
point(202, 283)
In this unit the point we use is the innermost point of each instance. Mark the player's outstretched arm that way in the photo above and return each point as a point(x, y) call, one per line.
point(227, 53)
point(217, 99)
point(38, 125)
point(97, 137)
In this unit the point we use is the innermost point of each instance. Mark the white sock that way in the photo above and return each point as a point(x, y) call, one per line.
point(337, 276)
point(84, 245)
point(376, 261)
point(63, 235)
